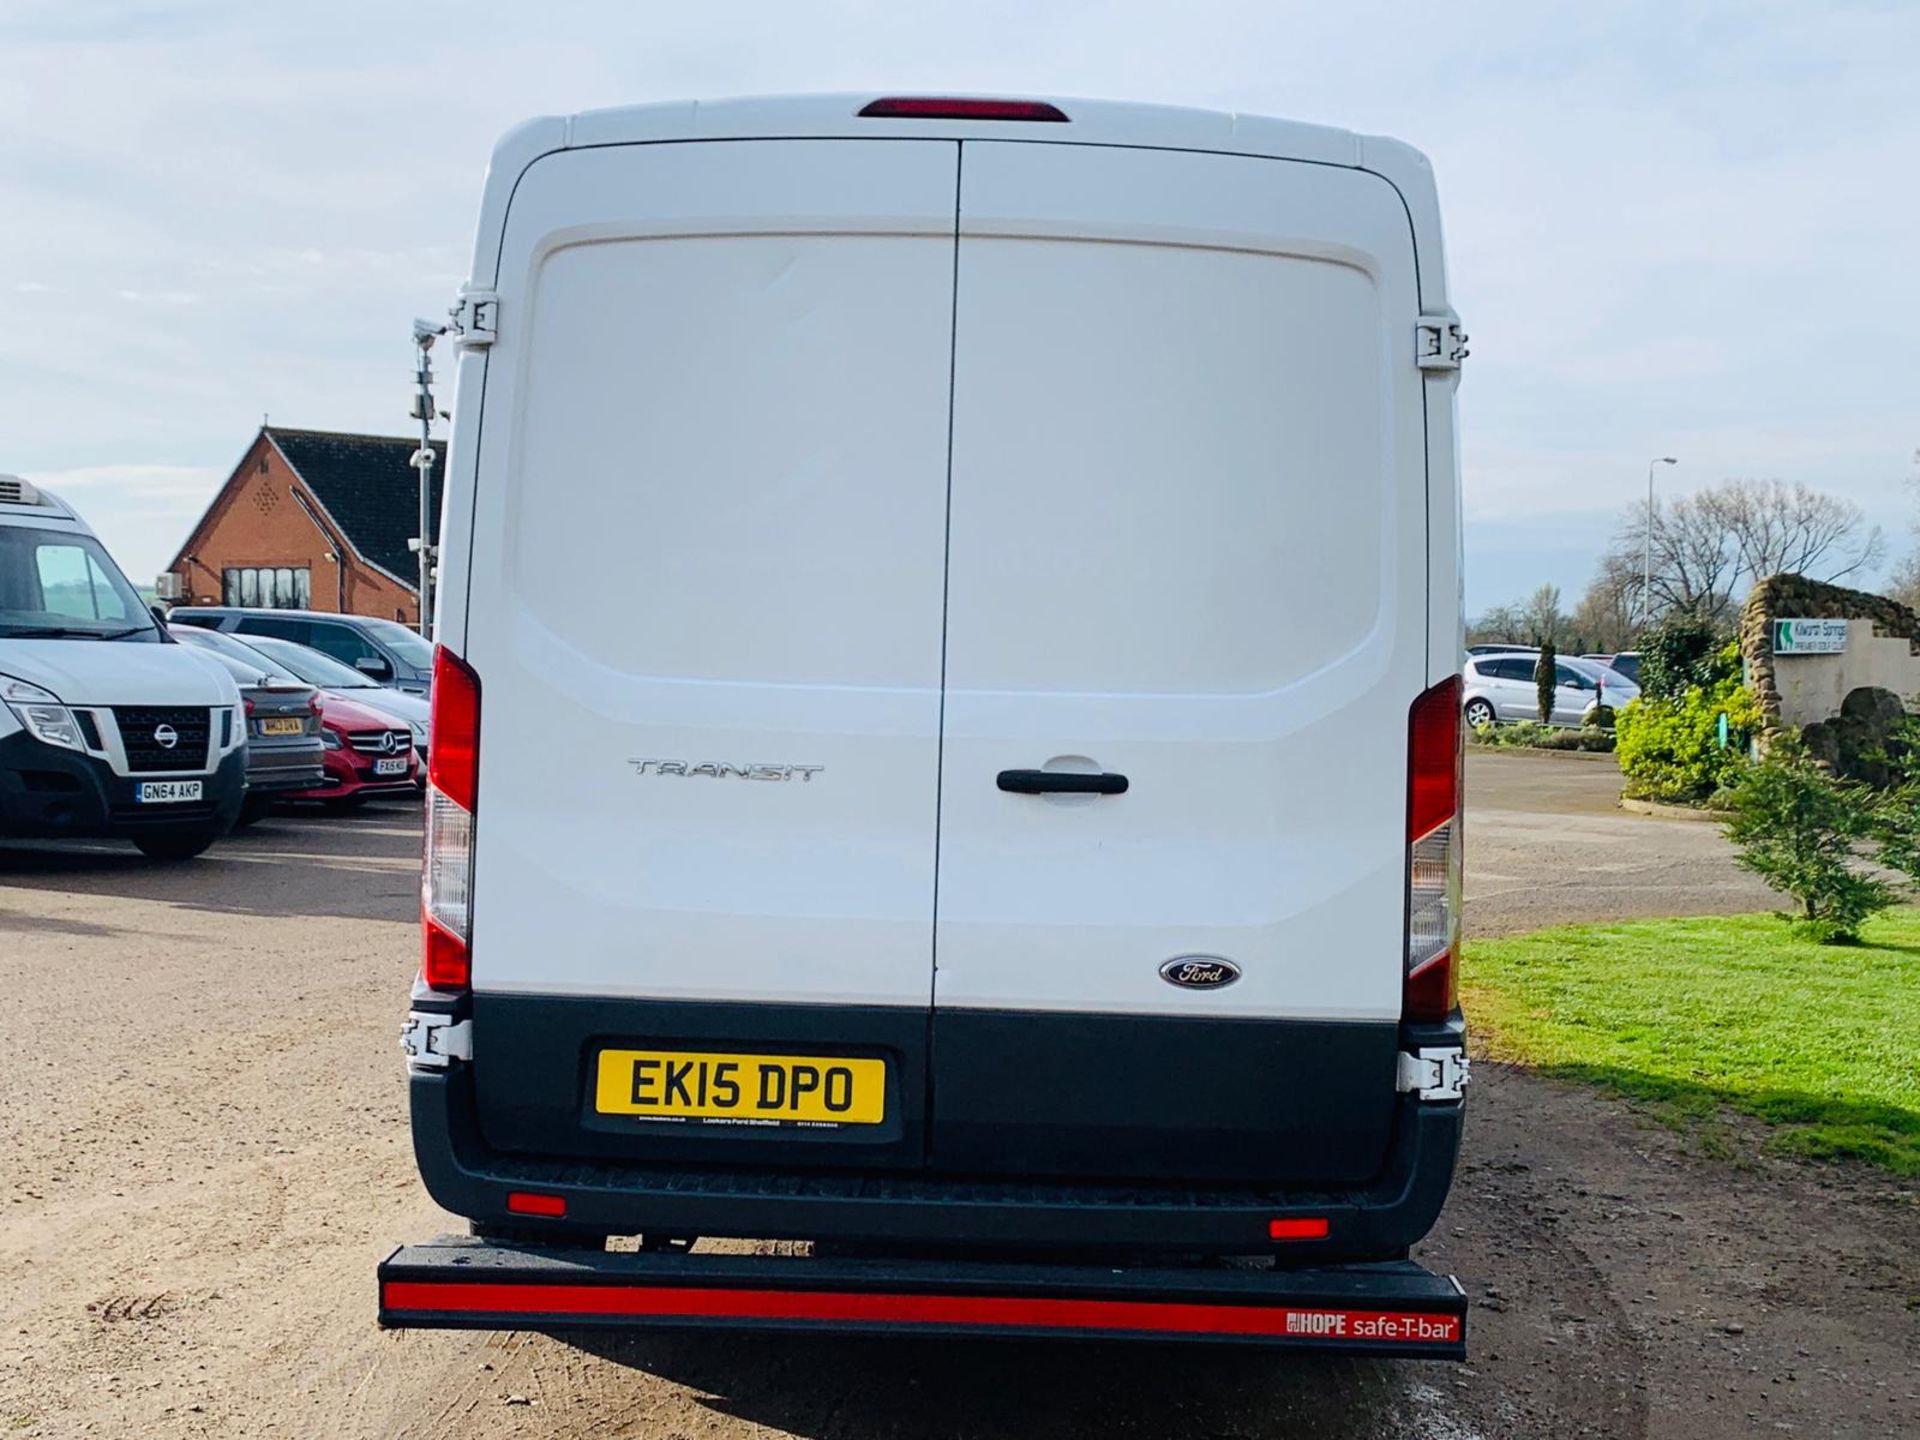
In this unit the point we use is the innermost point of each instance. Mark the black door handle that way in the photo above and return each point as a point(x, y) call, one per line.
point(1060, 782)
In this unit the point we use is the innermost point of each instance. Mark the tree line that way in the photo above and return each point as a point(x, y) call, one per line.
point(1698, 555)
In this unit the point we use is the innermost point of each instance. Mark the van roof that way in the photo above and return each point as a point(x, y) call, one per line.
point(1088, 122)
point(22, 499)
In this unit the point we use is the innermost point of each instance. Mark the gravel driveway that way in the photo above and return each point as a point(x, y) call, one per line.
point(206, 1153)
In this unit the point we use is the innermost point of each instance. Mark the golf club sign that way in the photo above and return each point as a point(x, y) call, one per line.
point(1809, 637)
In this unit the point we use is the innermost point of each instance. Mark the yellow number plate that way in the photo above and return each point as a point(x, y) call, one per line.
point(287, 725)
point(794, 1089)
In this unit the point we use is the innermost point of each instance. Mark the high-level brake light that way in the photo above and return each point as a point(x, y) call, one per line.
point(1434, 762)
point(453, 782)
point(953, 107)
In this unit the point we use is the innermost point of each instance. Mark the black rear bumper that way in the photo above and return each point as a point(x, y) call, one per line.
point(1375, 1219)
point(1392, 1309)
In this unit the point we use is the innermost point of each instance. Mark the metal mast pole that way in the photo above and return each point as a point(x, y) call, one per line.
point(423, 410)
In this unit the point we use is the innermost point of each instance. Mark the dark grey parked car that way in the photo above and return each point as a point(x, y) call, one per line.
point(285, 749)
point(383, 650)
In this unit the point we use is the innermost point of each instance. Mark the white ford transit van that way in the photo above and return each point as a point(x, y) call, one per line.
point(108, 728)
point(994, 569)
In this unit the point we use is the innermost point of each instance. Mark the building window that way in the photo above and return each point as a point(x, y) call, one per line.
point(281, 587)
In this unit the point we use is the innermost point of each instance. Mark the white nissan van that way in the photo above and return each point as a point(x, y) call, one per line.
point(108, 728)
point(994, 567)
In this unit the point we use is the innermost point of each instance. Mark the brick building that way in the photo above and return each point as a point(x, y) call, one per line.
point(311, 519)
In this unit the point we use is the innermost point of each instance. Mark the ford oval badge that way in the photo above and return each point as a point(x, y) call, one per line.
point(1199, 972)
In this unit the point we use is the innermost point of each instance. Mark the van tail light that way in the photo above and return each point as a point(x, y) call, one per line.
point(453, 780)
point(1435, 758)
point(455, 726)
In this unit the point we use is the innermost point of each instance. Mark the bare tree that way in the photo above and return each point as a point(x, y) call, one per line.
point(1707, 548)
point(1775, 527)
point(1604, 618)
point(1541, 614)
point(1501, 625)
point(1694, 566)
point(1904, 585)
point(1535, 620)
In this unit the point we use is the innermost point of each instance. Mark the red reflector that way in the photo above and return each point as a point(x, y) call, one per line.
point(1298, 1227)
point(439, 1297)
point(445, 964)
point(946, 107)
point(1433, 758)
point(525, 1202)
point(454, 765)
point(1433, 990)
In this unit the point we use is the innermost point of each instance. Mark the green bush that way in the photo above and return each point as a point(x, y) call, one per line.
point(1898, 818)
point(1546, 680)
point(1797, 828)
point(1683, 652)
point(1532, 735)
point(1670, 750)
point(1898, 830)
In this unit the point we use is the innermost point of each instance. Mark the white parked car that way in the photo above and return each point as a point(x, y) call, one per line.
point(991, 568)
point(1501, 687)
point(108, 728)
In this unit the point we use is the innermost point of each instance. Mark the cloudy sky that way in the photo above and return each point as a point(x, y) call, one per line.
point(1674, 228)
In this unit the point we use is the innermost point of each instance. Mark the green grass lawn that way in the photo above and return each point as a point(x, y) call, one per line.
point(1820, 1041)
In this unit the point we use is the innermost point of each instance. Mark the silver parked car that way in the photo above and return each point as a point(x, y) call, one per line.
point(1500, 687)
point(282, 718)
point(333, 678)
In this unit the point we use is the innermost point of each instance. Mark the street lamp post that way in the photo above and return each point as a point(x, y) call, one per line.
point(1646, 557)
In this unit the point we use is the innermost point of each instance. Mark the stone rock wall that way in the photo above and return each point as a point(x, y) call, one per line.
point(1796, 597)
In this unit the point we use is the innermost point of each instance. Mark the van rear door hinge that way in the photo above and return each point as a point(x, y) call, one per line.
point(431, 1041)
point(1433, 1074)
point(476, 318)
point(1439, 343)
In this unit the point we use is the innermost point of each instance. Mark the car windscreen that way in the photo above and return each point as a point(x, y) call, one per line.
point(403, 642)
point(247, 677)
point(1592, 670)
point(62, 585)
point(311, 666)
point(227, 645)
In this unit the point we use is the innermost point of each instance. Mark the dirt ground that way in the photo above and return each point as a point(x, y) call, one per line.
point(202, 1110)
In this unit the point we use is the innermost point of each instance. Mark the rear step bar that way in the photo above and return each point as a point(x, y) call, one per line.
point(1391, 1308)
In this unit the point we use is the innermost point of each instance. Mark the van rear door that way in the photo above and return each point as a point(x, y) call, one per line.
point(705, 608)
point(1188, 548)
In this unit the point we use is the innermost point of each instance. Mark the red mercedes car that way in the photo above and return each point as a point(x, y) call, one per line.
point(368, 753)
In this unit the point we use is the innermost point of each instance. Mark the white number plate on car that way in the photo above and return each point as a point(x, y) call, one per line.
point(395, 766)
point(168, 792)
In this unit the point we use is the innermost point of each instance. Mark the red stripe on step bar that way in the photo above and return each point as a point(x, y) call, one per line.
point(1149, 1315)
